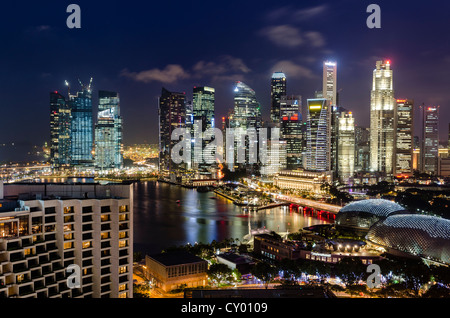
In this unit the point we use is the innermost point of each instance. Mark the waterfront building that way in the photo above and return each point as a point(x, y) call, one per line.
point(82, 127)
point(318, 139)
point(60, 136)
point(108, 133)
point(382, 129)
point(292, 130)
point(172, 115)
point(302, 180)
point(174, 270)
point(45, 228)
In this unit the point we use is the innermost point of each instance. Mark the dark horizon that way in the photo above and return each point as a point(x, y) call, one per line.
point(137, 48)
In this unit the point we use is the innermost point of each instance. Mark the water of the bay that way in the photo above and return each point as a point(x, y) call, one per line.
point(160, 221)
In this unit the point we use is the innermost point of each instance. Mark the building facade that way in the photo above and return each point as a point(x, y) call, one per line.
point(404, 126)
point(318, 138)
point(430, 139)
point(45, 228)
point(82, 127)
point(346, 147)
point(172, 115)
point(382, 128)
point(108, 133)
point(277, 90)
point(60, 136)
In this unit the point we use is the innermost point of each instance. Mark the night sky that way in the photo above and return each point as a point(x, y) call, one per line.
point(137, 47)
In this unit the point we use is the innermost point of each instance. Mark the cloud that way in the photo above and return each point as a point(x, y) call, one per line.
point(224, 68)
point(170, 74)
point(304, 14)
point(293, 70)
point(291, 37)
point(283, 35)
point(289, 13)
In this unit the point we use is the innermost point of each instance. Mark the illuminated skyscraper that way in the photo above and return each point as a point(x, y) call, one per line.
point(404, 126)
point(108, 133)
point(330, 82)
point(60, 125)
point(82, 127)
point(172, 115)
point(382, 130)
point(430, 139)
point(203, 114)
point(277, 90)
point(318, 156)
point(346, 146)
point(291, 134)
point(246, 117)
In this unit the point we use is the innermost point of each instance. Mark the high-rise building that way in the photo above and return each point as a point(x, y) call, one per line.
point(346, 146)
point(246, 117)
point(108, 133)
point(404, 126)
point(430, 139)
point(60, 125)
point(330, 82)
point(203, 116)
point(54, 226)
point(291, 133)
point(318, 139)
point(82, 127)
point(172, 115)
point(382, 130)
point(362, 149)
point(277, 90)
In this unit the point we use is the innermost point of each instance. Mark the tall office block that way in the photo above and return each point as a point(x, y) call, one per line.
point(277, 90)
point(82, 127)
point(246, 117)
point(318, 156)
point(108, 133)
point(172, 115)
point(404, 126)
point(382, 130)
point(291, 130)
point(430, 139)
point(60, 127)
point(203, 116)
point(330, 82)
point(346, 146)
point(362, 149)
point(54, 226)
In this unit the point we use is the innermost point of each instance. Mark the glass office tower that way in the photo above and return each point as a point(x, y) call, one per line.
point(430, 139)
point(203, 116)
point(318, 156)
point(108, 133)
point(172, 115)
point(346, 147)
point(382, 131)
point(60, 125)
point(291, 122)
point(404, 126)
point(277, 90)
point(82, 127)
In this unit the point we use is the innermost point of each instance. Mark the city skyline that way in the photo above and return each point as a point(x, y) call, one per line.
point(138, 75)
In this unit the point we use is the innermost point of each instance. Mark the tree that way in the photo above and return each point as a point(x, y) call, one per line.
point(350, 270)
point(219, 273)
point(264, 272)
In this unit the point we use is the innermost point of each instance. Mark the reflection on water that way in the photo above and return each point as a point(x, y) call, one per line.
point(161, 221)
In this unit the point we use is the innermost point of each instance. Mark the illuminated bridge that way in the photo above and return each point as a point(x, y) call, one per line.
point(306, 205)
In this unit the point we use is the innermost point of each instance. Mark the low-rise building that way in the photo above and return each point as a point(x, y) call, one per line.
point(174, 270)
point(302, 180)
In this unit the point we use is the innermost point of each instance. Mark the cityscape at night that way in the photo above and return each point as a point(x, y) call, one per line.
point(256, 150)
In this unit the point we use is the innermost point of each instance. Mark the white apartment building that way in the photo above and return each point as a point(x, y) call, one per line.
point(46, 227)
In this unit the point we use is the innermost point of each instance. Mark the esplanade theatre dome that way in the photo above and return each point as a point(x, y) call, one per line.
point(363, 214)
point(421, 235)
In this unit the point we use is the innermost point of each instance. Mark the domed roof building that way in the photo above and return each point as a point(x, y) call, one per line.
point(363, 214)
point(420, 235)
